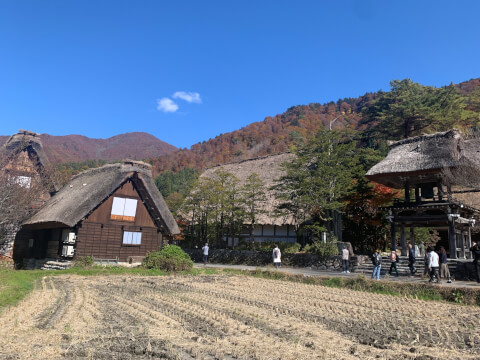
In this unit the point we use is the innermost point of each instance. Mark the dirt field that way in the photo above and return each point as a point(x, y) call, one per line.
point(229, 317)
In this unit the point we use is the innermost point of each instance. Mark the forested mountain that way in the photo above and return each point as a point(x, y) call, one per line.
point(365, 115)
point(78, 148)
point(368, 116)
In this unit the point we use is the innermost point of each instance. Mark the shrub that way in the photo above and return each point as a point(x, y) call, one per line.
point(289, 248)
point(170, 258)
point(322, 249)
point(84, 261)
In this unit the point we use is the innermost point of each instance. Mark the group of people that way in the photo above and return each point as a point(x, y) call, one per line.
point(433, 262)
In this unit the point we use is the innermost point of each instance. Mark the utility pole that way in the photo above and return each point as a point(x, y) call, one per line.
point(331, 122)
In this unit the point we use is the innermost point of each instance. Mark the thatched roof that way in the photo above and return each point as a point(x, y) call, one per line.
point(26, 140)
point(426, 158)
point(87, 190)
point(268, 169)
point(30, 142)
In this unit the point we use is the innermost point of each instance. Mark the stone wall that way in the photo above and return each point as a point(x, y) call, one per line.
point(264, 258)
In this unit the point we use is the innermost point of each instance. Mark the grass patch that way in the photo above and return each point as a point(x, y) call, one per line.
point(16, 285)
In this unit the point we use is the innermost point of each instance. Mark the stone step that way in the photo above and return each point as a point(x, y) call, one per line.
point(57, 265)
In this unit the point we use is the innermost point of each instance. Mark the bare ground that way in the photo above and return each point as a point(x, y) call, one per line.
point(229, 317)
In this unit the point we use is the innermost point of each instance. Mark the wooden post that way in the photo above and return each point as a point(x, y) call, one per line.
point(461, 245)
point(417, 194)
point(440, 190)
point(412, 238)
point(403, 241)
point(392, 236)
point(451, 238)
point(407, 192)
point(449, 193)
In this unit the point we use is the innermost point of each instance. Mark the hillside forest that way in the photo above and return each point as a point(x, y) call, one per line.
point(351, 136)
point(363, 125)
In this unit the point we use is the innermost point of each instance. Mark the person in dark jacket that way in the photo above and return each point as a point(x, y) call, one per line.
point(411, 259)
point(377, 264)
point(475, 249)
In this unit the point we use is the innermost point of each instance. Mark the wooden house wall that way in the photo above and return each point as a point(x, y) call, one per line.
point(46, 243)
point(21, 249)
point(102, 237)
point(102, 213)
point(107, 242)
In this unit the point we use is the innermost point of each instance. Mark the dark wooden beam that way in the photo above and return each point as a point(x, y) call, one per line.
point(451, 239)
point(407, 192)
point(403, 241)
point(392, 236)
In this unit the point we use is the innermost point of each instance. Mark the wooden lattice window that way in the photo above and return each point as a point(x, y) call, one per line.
point(123, 209)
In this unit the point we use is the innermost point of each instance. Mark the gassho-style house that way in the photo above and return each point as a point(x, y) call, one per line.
point(111, 212)
point(24, 163)
point(269, 226)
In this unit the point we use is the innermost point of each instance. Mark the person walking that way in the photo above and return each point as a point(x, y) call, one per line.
point(425, 265)
point(377, 264)
point(432, 264)
point(475, 249)
point(393, 260)
point(205, 254)
point(444, 270)
point(345, 260)
point(277, 257)
point(411, 259)
point(421, 248)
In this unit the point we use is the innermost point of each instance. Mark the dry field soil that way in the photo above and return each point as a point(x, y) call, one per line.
point(229, 317)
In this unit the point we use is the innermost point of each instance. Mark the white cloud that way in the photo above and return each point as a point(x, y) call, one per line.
point(166, 105)
point(191, 97)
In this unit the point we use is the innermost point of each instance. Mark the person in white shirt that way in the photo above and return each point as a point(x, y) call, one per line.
point(205, 254)
point(345, 260)
point(277, 256)
point(432, 264)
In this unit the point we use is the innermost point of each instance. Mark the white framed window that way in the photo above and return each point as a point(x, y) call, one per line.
point(132, 238)
point(124, 209)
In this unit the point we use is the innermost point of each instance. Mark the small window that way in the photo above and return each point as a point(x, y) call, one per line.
point(132, 238)
point(123, 209)
point(23, 181)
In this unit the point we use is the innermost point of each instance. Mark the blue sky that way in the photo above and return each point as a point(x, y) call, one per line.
point(186, 71)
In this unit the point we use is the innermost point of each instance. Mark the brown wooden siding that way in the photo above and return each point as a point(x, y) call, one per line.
point(103, 212)
point(107, 241)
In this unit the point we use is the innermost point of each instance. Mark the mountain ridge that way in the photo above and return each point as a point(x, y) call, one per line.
point(77, 148)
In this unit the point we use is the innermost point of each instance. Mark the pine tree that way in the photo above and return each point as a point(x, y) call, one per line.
point(318, 179)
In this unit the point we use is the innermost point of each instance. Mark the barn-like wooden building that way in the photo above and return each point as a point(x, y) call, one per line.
point(111, 212)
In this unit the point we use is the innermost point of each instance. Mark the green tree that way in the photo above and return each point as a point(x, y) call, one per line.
point(214, 209)
point(409, 109)
point(180, 182)
point(318, 179)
